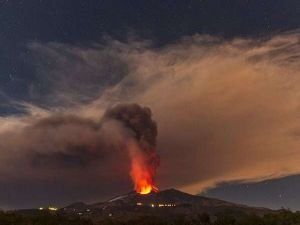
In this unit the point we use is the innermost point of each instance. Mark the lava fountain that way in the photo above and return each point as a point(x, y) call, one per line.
point(142, 170)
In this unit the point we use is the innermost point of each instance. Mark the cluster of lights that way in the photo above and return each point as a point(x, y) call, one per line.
point(157, 205)
point(53, 209)
point(166, 205)
point(49, 208)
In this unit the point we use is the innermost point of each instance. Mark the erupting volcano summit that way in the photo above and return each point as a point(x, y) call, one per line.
point(140, 143)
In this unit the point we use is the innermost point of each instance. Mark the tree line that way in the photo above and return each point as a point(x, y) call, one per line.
point(283, 217)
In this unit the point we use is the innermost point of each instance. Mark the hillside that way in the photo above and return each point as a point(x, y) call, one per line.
point(164, 204)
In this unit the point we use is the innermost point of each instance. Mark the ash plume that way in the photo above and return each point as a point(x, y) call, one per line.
point(62, 144)
point(138, 120)
point(143, 130)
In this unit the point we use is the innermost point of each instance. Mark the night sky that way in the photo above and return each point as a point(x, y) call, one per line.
point(221, 78)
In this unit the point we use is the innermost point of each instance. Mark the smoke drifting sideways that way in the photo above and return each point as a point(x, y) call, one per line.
point(58, 146)
point(228, 111)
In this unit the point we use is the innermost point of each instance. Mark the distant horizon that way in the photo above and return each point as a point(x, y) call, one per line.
point(207, 194)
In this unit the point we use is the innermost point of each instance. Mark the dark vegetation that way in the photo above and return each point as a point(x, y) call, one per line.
point(284, 217)
point(39, 218)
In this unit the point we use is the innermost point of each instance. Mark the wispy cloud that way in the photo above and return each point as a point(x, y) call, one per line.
point(226, 110)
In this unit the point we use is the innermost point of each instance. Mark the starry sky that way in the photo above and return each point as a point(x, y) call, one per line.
point(221, 79)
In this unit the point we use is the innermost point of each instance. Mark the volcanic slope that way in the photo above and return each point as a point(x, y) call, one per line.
point(164, 203)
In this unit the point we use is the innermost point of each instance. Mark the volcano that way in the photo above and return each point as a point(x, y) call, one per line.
point(164, 203)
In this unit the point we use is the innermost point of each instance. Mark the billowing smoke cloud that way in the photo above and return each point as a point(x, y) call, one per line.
point(227, 110)
point(59, 145)
point(138, 120)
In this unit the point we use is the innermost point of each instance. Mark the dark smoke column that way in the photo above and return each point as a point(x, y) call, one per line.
point(142, 132)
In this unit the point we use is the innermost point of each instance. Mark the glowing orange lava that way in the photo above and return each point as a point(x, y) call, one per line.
point(145, 190)
point(142, 173)
point(143, 180)
point(142, 177)
point(143, 187)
